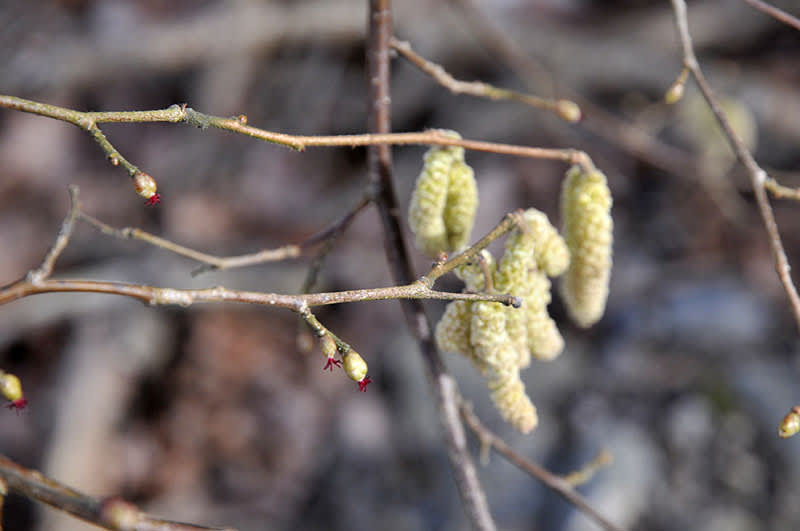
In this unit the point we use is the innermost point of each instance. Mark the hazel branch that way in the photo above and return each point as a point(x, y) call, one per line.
point(565, 109)
point(555, 483)
point(587, 472)
point(62, 240)
point(181, 113)
point(774, 12)
point(211, 262)
point(37, 281)
point(379, 163)
point(757, 175)
point(111, 513)
point(780, 191)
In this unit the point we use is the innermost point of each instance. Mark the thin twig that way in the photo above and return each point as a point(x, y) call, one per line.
point(111, 513)
point(780, 191)
point(775, 13)
point(758, 176)
point(552, 481)
point(46, 268)
point(180, 113)
point(37, 281)
point(329, 236)
point(379, 164)
point(211, 262)
point(565, 109)
point(587, 471)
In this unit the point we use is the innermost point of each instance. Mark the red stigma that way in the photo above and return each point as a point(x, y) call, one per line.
point(20, 403)
point(331, 363)
point(362, 385)
point(154, 200)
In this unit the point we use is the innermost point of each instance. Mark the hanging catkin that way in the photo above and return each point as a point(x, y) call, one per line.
point(586, 214)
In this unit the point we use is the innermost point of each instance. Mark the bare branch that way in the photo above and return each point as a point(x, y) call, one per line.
point(775, 13)
point(780, 191)
point(61, 242)
point(111, 513)
point(379, 164)
point(565, 109)
point(38, 281)
point(177, 113)
point(553, 482)
point(757, 175)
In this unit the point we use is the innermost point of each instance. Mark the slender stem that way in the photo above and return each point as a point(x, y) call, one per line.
point(780, 191)
point(775, 13)
point(480, 89)
point(111, 513)
point(552, 481)
point(380, 175)
point(758, 176)
point(62, 240)
point(212, 262)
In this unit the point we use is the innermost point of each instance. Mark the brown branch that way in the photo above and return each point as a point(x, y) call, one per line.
point(565, 109)
point(380, 175)
point(774, 12)
point(111, 513)
point(780, 191)
point(37, 281)
point(757, 175)
point(177, 113)
point(552, 481)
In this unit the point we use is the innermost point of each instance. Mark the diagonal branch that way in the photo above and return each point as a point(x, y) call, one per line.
point(758, 177)
point(565, 109)
point(774, 12)
point(555, 483)
point(380, 176)
point(111, 513)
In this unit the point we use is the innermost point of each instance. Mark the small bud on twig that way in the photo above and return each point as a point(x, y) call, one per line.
point(146, 187)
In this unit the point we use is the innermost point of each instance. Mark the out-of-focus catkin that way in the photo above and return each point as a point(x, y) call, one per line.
point(444, 201)
point(586, 214)
point(512, 277)
point(544, 339)
point(426, 213)
point(461, 205)
point(508, 394)
point(551, 252)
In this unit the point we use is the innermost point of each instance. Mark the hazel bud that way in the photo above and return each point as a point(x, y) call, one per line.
point(354, 366)
point(790, 424)
point(10, 387)
point(146, 187)
point(569, 111)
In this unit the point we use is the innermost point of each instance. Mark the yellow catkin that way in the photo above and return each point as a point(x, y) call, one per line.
point(462, 203)
point(544, 339)
point(472, 273)
point(453, 332)
point(512, 277)
point(508, 394)
point(551, 252)
point(488, 335)
point(586, 214)
point(426, 213)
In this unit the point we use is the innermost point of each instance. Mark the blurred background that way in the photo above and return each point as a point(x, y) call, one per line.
point(213, 415)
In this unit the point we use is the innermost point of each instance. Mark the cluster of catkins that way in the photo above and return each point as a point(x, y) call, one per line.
point(500, 340)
